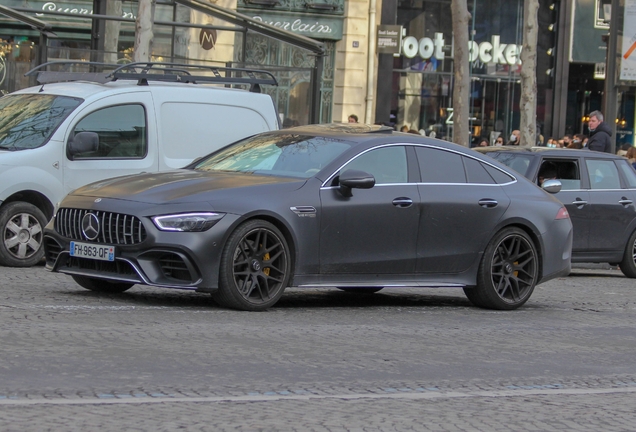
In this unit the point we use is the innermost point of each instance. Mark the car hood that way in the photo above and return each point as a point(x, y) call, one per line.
point(182, 186)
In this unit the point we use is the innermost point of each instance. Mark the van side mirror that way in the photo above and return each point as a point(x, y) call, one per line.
point(355, 179)
point(552, 186)
point(83, 142)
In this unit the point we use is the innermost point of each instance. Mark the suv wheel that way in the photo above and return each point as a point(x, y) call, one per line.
point(628, 265)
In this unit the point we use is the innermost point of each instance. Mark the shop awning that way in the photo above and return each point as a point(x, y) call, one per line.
point(39, 25)
point(245, 21)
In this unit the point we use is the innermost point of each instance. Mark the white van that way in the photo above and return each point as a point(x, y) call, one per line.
point(58, 136)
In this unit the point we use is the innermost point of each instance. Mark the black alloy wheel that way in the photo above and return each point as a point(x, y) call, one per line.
point(508, 273)
point(255, 267)
point(101, 285)
point(628, 265)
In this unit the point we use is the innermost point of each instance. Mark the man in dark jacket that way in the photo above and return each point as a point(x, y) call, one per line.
point(600, 134)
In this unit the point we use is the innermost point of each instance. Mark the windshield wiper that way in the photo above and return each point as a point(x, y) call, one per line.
point(6, 148)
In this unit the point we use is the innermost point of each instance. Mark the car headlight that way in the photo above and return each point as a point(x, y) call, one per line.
point(187, 222)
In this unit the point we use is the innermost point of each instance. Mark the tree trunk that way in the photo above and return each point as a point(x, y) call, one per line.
point(111, 36)
point(461, 18)
point(143, 31)
point(528, 102)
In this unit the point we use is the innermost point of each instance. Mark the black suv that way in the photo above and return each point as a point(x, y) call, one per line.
point(599, 191)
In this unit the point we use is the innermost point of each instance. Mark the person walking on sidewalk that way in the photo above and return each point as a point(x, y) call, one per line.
point(600, 133)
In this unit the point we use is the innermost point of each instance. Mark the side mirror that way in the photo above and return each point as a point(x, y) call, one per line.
point(354, 179)
point(83, 142)
point(551, 186)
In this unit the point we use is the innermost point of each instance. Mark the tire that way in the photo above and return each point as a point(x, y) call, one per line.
point(508, 272)
point(360, 290)
point(255, 267)
point(101, 285)
point(628, 264)
point(22, 226)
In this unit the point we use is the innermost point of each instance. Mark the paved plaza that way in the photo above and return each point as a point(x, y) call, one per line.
point(321, 360)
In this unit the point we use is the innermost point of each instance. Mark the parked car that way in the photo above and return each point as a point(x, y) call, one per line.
point(349, 206)
point(148, 117)
point(599, 191)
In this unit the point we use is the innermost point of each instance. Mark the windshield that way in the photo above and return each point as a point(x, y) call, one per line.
point(28, 120)
point(278, 154)
point(517, 161)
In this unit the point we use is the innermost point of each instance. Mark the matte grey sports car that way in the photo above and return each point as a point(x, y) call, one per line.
point(355, 207)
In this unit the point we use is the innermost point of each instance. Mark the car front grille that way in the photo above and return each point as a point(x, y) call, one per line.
point(114, 228)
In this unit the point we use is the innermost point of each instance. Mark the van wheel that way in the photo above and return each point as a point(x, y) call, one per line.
point(255, 267)
point(508, 272)
point(22, 226)
point(628, 265)
point(101, 285)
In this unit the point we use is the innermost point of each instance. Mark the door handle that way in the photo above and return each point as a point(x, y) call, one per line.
point(403, 202)
point(625, 201)
point(579, 202)
point(488, 203)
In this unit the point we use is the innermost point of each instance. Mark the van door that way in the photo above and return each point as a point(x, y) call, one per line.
point(124, 124)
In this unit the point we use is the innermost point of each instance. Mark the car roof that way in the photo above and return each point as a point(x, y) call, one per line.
point(545, 151)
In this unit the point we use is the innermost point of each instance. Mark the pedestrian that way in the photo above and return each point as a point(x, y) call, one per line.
point(631, 156)
point(567, 139)
point(514, 137)
point(600, 133)
point(499, 141)
point(404, 128)
point(353, 118)
point(577, 142)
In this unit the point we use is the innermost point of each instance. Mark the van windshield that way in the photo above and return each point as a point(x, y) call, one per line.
point(28, 120)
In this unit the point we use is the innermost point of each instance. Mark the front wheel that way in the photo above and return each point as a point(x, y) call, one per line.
point(101, 285)
point(508, 272)
point(628, 264)
point(22, 226)
point(255, 267)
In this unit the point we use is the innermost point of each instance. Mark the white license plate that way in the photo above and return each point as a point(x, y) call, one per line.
point(97, 252)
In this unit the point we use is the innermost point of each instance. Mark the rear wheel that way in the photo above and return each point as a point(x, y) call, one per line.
point(360, 290)
point(101, 285)
point(22, 226)
point(508, 272)
point(255, 267)
point(628, 265)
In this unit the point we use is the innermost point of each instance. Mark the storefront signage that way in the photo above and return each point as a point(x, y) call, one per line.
point(486, 52)
point(389, 39)
point(74, 9)
point(586, 43)
point(628, 52)
point(314, 26)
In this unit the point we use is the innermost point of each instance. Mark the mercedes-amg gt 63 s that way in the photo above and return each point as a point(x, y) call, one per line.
point(354, 207)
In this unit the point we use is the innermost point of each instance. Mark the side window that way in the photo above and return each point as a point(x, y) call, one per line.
point(628, 173)
point(603, 174)
point(567, 171)
point(121, 130)
point(440, 166)
point(387, 164)
point(499, 176)
point(476, 172)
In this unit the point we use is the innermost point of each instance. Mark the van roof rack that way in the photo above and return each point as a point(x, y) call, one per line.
point(152, 71)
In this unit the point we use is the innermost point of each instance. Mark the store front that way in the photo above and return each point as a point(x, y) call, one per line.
point(421, 94)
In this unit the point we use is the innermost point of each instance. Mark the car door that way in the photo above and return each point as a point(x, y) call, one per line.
point(460, 207)
point(612, 207)
point(573, 195)
point(127, 145)
point(375, 230)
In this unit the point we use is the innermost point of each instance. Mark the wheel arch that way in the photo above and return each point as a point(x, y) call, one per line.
point(32, 197)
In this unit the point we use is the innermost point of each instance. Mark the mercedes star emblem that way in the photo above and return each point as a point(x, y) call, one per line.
point(90, 226)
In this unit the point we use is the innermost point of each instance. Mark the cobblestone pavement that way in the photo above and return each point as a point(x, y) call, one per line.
point(321, 360)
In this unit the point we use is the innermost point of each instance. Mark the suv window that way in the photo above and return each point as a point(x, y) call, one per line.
point(566, 171)
point(121, 129)
point(603, 174)
point(628, 173)
point(386, 164)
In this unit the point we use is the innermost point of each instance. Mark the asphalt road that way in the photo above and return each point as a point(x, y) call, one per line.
point(321, 360)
